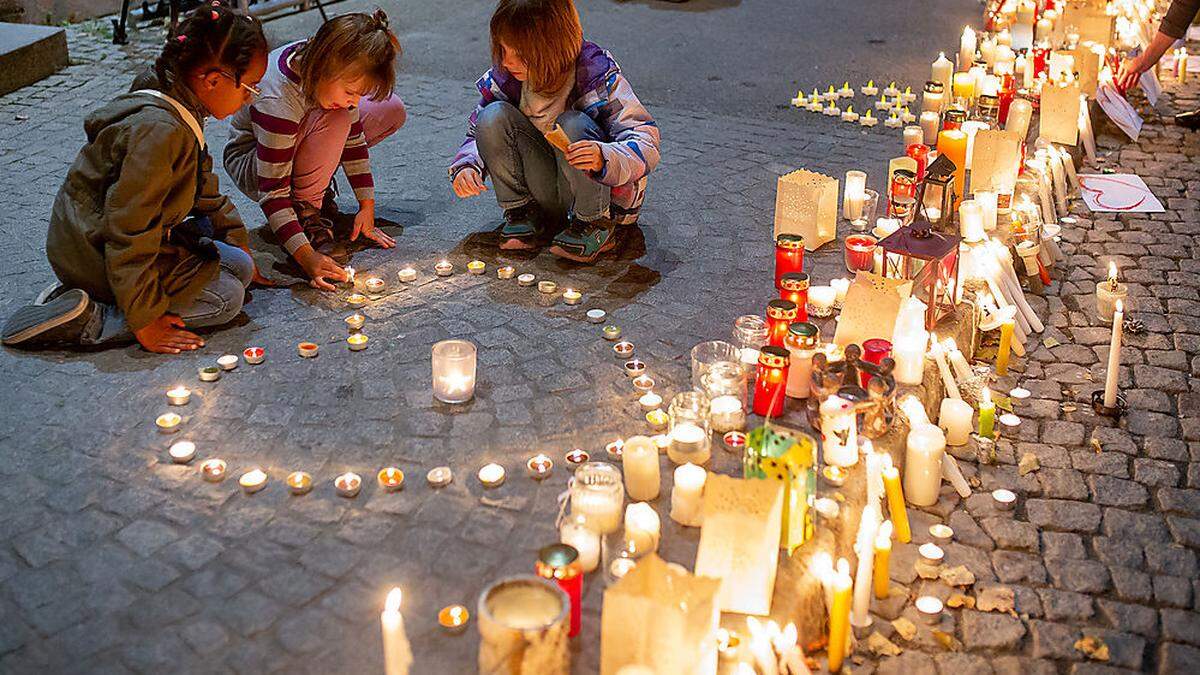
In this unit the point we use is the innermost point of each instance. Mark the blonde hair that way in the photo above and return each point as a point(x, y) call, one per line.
point(351, 44)
point(545, 33)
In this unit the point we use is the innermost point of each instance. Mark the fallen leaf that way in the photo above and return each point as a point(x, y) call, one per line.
point(907, 629)
point(1096, 445)
point(995, 599)
point(974, 481)
point(958, 576)
point(1002, 402)
point(946, 640)
point(1028, 464)
point(882, 646)
point(1093, 647)
point(1051, 342)
point(927, 571)
point(957, 600)
point(22, 118)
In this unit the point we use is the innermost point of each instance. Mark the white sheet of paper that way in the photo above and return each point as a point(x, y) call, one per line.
point(1151, 86)
point(1118, 193)
point(1118, 109)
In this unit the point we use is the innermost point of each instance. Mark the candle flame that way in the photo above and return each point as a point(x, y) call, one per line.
point(1112, 272)
point(884, 538)
point(870, 83)
point(393, 600)
point(843, 568)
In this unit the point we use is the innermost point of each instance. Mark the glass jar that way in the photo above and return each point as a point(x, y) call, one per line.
point(919, 152)
point(454, 371)
point(988, 110)
point(690, 430)
point(598, 494)
point(725, 386)
point(771, 381)
point(749, 335)
point(789, 255)
point(707, 354)
point(953, 119)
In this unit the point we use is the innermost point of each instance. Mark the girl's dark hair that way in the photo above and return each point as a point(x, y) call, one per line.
point(211, 36)
point(351, 44)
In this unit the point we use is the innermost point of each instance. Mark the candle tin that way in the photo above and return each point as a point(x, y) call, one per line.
point(374, 285)
point(182, 452)
point(539, 466)
point(476, 267)
point(179, 396)
point(526, 280)
point(168, 423)
point(547, 287)
point(355, 322)
point(213, 470)
point(643, 383)
point(357, 342)
point(228, 362)
point(439, 476)
point(577, 456)
point(505, 272)
point(611, 332)
point(453, 619)
point(307, 350)
point(635, 367)
point(598, 316)
point(390, 478)
point(407, 274)
point(299, 482)
point(734, 441)
point(615, 449)
point(348, 484)
point(254, 355)
point(444, 268)
point(572, 296)
point(210, 373)
point(356, 299)
point(491, 475)
point(623, 349)
point(252, 481)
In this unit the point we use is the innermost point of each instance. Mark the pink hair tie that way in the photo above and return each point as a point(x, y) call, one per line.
point(181, 38)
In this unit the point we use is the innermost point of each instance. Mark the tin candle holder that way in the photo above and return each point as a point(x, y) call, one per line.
point(505, 272)
point(182, 452)
point(253, 356)
point(354, 322)
point(228, 361)
point(179, 395)
point(572, 296)
point(390, 479)
point(357, 342)
point(598, 316)
point(348, 484)
point(526, 279)
point(476, 267)
point(356, 299)
point(439, 476)
point(611, 332)
point(635, 367)
point(453, 619)
point(539, 466)
point(299, 482)
point(577, 456)
point(623, 350)
point(491, 475)
point(253, 480)
point(307, 350)
point(213, 470)
point(407, 274)
point(374, 285)
point(209, 373)
point(444, 268)
point(168, 423)
point(643, 383)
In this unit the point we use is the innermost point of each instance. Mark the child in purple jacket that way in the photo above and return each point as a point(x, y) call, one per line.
point(547, 80)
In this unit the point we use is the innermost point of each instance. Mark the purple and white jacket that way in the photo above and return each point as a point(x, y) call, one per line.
point(602, 93)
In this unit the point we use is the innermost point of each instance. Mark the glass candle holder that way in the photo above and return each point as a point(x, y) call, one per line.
point(794, 288)
point(780, 315)
point(689, 428)
point(771, 381)
point(870, 206)
point(725, 386)
point(860, 252)
point(789, 255)
point(919, 152)
point(749, 335)
point(597, 493)
point(1108, 293)
point(875, 350)
point(707, 354)
point(454, 371)
point(853, 194)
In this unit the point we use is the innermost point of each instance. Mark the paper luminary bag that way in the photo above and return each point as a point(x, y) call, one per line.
point(660, 616)
point(1093, 23)
point(1089, 59)
point(739, 541)
point(996, 161)
point(1059, 118)
point(870, 310)
point(806, 203)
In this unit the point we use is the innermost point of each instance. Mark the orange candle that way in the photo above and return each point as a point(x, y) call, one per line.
point(953, 144)
point(895, 498)
point(839, 620)
point(883, 552)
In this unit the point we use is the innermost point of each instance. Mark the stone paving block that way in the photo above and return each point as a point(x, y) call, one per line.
point(989, 631)
point(1177, 658)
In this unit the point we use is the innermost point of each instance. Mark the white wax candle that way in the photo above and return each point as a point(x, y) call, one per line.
point(929, 126)
point(942, 71)
point(966, 49)
point(576, 533)
point(923, 464)
point(955, 420)
point(839, 432)
point(1020, 112)
point(602, 510)
point(727, 412)
point(821, 298)
point(840, 287)
point(988, 202)
point(970, 221)
point(640, 462)
point(913, 135)
point(685, 496)
point(908, 342)
point(642, 527)
point(875, 464)
point(799, 380)
point(972, 127)
point(853, 195)
point(397, 654)
point(689, 443)
point(864, 546)
point(914, 410)
point(935, 350)
point(962, 369)
point(1114, 357)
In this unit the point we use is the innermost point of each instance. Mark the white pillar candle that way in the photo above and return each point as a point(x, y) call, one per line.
point(966, 49)
point(854, 194)
point(1114, 357)
point(685, 495)
point(914, 410)
point(913, 135)
point(935, 350)
point(397, 654)
point(955, 421)
point(943, 71)
point(821, 299)
point(874, 464)
point(1085, 128)
point(987, 201)
point(970, 221)
point(839, 432)
point(640, 462)
point(929, 126)
point(727, 412)
point(962, 369)
point(908, 342)
point(642, 527)
point(1059, 174)
point(1020, 112)
point(576, 533)
point(972, 127)
point(840, 288)
point(799, 380)
point(923, 464)
point(987, 49)
point(864, 547)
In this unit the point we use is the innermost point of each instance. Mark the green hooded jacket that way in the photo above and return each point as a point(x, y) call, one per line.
point(141, 172)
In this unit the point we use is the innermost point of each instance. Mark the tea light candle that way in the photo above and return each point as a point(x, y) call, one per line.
point(598, 316)
point(650, 401)
point(849, 115)
point(526, 280)
point(374, 284)
point(577, 456)
point(839, 286)
point(685, 495)
point(635, 367)
point(941, 532)
point(821, 299)
point(299, 482)
point(869, 89)
point(572, 296)
point(1010, 420)
point(539, 466)
point(621, 566)
point(213, 470)
point(168, 423)
point(444, 268)
point(179, 395)
point(868, 120)
point(727, 413)
point(491, 475)
point(348, 484)
point(228, 361)
point(1108, 293)
point(252, 356)
point(834, 475)
point(476, 267)
point(623, 349)
point(547, 287)
point(210, 373)
point(357, 342)
point(643, 383)
point(453, 619)
point(1004, 499)
point(662, 442)
point(356, 299)
point(439, 476)
point(253, 480)
point(734, 441)
point(407, 274)
point(930, 609)
point(931, 554)
point(182, 452)
point(350, 274)
point(505, 272)
point(657, 419)
point(307, 349)
point(615, 449)
point(355, 322)
point(390, 478)
point(643, 528)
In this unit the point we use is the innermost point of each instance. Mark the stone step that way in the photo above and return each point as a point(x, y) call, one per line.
point(29, 53)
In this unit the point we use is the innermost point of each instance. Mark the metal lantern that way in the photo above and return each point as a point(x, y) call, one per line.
point(938, 189)
point(930, 260)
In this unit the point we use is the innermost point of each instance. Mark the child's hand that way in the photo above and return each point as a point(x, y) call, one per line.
point(468, 183)
point(319, 267)
point(364, 224)
point(165, 335)
point(585, 156)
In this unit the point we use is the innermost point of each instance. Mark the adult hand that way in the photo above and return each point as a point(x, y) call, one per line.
point(165, 335)
point(319, 267)
point(585, 156)
point(1131, 70)
point(364, 224)
point(468, 183)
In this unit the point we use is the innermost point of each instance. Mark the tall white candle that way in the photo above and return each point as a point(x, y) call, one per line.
point(929, 126)
point(962, 369)
point(1114, 357)
point(685, 496)
point(640, 462)
point(935, 350)
point(914, 410)
point(972, 127)
point(955, 420)
point(913, 135)
point(923, 464)
point(864, 546)
point(908, 342)
point(854, 194)
point(966, 49)
point(875, 464)
point(397, 654)
point(987, 201)
point(970, 220)
point(642, 527)
point(943, 71)
point(839, 432)
point(1020, 112)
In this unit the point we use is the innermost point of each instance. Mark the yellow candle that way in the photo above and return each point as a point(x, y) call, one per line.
point(953, 144)
point(1006, 333)
point(883, 551)
point(895, 497)
point(964, 86)
point(839, 620)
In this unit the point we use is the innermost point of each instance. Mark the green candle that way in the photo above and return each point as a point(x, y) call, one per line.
point(987, 415)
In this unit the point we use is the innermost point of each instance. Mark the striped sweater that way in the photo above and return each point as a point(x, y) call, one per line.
point(270, 127)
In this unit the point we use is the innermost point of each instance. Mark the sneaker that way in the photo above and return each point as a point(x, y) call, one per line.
point(584, 241)
point(521, 231)
point(317, 228)
point(59, 321)
point(49, 293)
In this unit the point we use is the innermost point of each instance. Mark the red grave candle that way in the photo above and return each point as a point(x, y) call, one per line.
point(1039, 60)
point(770, 381)
point(794, 289)
point(789, 256)
point(875, 350)
point(920, 154)
point(560, 563)
point(860, 252)
point(780, 315)
point(1008, 89)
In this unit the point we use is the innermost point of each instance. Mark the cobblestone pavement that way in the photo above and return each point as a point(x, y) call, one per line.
point(114, 560)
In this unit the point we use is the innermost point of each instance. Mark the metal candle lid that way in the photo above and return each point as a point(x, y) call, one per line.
point(558, 561)
point(789, 241)
point(934, 87)
point(773, 357)
point(804, 335)
point(794, 281)
point(781, 309)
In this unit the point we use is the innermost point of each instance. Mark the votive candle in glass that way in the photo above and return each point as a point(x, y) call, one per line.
point(1108, 292)
point(725, 386)
point(560, 564)
point(789, 255)
point(598, 493)
point(875, 350)
point(576, 532)
point(707, 354)
point(690, 429)
point(853, 194)
point(860, 252)
point(780, 315)
point(794, 288)
point(454, 371)
point(919, 152)
point(749, 335)
point(802, 342)
point(771, 381)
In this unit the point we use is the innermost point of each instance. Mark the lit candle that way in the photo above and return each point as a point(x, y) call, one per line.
point(348, 484)
point(913, 136)
point(642, 527)
point(930, 121)
point(987, 415)
point(988, 202)
point(634, 368)
point(444, 268)
point(390, 478)
point(941, 532)
point(854, 194)
point(952, 144)
point(576, 533)
point(397, 654)
point(883, 552)
point(213, 470)
point(909, 341)
point(182, 452)
point(913, 409)
point(356, 299)
point(1005, 349)
point(168, 423)
point(407, 274)
point(639, 458)
point(299, 482)
point(643, 383)
point(1108, 292)
point(572, 296)
point(453, 619)
point(869, 89)
point(539, 466)
point(839, 432)
point(849, 115)
point(895, 497)
point(357, 342)
point(179, 395)
point(966, 49)
point(970, 221)
point(505, 272)
point(685, 495)
point(374, 284)
point(930, 609)
point(453, 368)
point(476, 267)
point(942, 71)
point(727, 412)
point(1114, 357)
point(253, 480)
point(864, 546)
point(955, 421)
point(935, 350)
point(355, 322)
point(821, 299)
point(962, 369)
point(923, 464)
point(839, 619)
point(439, 476)
point(650, 401)
point(491, 475)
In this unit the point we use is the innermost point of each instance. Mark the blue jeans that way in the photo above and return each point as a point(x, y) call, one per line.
point(218, 303)
point(526, 169)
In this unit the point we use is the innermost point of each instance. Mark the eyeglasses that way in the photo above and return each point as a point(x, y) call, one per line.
point(254, 91)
